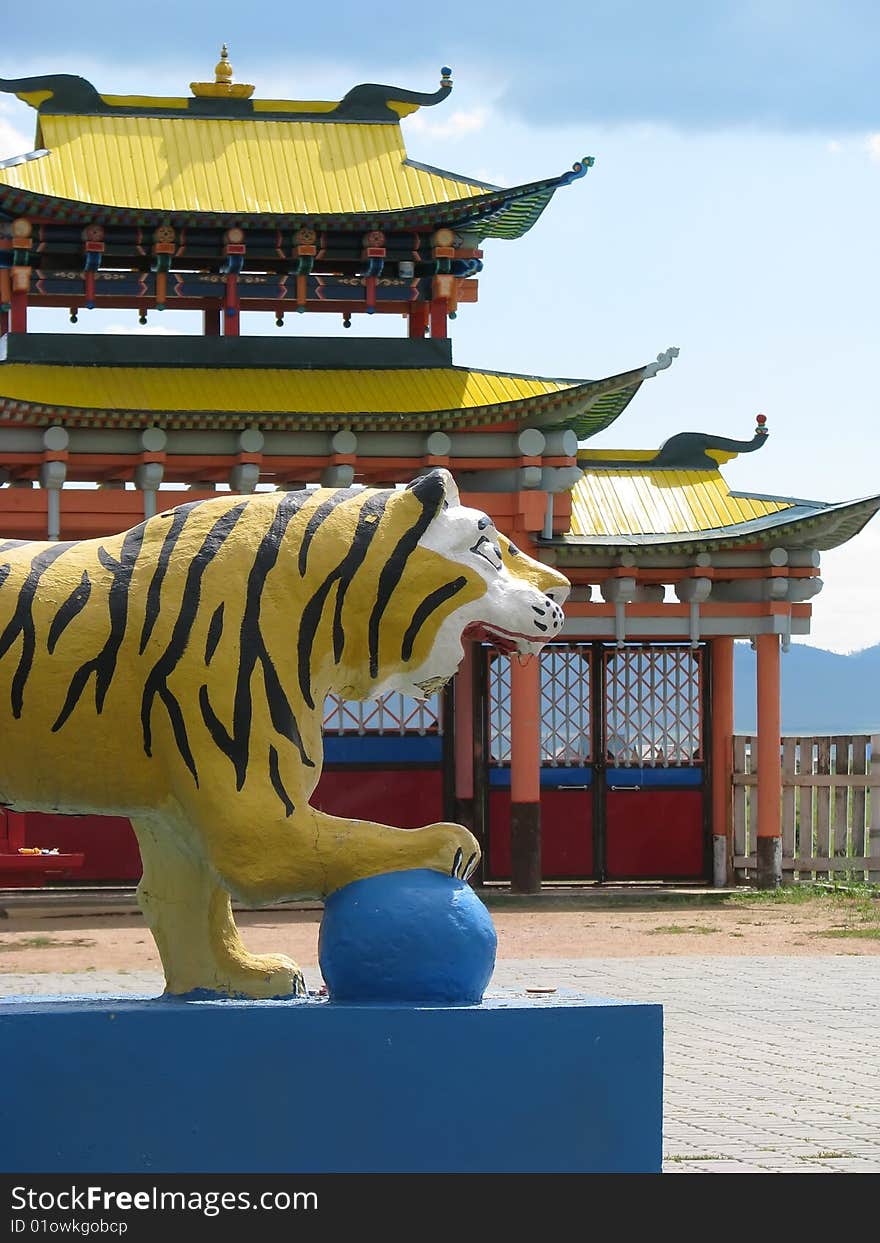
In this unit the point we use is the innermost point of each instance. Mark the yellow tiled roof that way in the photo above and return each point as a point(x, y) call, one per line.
point(275, 390)
point(183, 164)
point(621, 502)
point(390, 399)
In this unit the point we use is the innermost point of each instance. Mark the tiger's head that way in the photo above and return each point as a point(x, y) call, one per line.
point(435, 575)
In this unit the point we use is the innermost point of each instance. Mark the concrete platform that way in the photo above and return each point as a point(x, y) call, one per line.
point(543, 1084)
point(728, 1107)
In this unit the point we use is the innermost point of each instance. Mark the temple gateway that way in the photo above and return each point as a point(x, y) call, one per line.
point(607, 759)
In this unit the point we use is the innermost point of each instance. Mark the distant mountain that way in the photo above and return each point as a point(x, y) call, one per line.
point(822, 692)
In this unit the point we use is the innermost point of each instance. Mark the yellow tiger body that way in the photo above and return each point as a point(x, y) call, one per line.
point(176, 674)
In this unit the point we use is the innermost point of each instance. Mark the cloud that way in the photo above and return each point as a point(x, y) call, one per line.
point(455, 126)
point(872, 146)
point(776, 64)
point(12, 141)
point(845, 614)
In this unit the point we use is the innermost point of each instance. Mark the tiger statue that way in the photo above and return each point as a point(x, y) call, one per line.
point(176, 674)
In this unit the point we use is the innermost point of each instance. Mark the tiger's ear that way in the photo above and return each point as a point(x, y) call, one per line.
point(435, 490)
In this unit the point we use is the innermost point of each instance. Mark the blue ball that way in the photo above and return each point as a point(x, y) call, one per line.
point(415, 937)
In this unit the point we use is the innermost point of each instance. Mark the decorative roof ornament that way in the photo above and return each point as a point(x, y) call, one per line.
point(699, 451)
point(685, 451)
point(578, 169)
point(223, 86)
point(223, 98)
point(664, 360)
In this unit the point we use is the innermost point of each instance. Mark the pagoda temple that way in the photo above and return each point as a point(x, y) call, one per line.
point(607, 759)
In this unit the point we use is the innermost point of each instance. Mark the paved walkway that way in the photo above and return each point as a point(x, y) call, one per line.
point(771, 1065)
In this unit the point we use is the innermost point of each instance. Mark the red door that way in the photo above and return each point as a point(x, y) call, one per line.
point(622, 763)
point(653, 784)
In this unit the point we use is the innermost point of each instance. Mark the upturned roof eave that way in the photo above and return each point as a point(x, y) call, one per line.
point(819, 526)
point(497, 212)
point(539, 410)
point(568, 407)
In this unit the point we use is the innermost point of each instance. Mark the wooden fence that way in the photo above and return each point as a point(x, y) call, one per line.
point(830, 806)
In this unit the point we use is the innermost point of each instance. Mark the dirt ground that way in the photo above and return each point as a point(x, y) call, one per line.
point(838, 924)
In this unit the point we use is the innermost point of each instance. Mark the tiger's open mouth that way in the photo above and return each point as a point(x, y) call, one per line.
point(506, 641)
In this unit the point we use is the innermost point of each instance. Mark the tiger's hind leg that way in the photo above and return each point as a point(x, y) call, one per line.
point(190, 916)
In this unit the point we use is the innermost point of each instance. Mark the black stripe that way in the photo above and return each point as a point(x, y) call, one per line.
point(75, 603)
point(280, 711)
point(323, 511)
point(424, 611)
point(16, 543)
point(278, 784)
point(215, 630)
point(178, 517)
point(432, 499)
point(104, 664)
point(369, 520)
point(236, 745)
point(156, 683)
point(4, 573)
point(22, 622)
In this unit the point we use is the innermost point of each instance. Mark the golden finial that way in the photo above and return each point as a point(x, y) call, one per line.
point(223, 69)
point(222, 87)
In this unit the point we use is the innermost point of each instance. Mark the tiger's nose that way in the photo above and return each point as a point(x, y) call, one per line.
point(558, 595)
point(557, 616)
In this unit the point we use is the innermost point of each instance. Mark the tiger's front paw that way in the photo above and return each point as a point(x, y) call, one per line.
point(456, 852)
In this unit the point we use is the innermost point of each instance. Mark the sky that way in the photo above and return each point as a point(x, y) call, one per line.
point(732, 209)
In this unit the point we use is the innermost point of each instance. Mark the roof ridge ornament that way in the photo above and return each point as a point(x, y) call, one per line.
point(685, 451)
point(65, 92)
point(578, 169)
point(223, 86)
point(664, 360)
point(701, 450)
point(372, 102)
point(69, 94)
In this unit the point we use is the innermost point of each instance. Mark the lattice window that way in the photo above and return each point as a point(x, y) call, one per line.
point(499, 709)
point(392, 714)
point(565, 705)
point(653, 706)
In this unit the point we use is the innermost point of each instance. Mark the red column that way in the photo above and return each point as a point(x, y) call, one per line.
point(525, 775)
point(418, 321)
point(438, 318)
point(18, 311)
point(769, 835)
point(722, 759)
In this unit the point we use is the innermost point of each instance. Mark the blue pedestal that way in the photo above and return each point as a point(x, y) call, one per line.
point(565, 1084)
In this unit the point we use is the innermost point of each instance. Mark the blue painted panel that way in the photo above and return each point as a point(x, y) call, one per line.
point(383, 749)
point(656, 777)
point(567, 1084)
point(551, 778)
